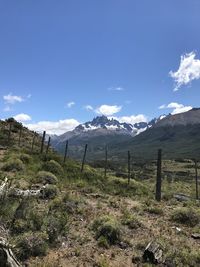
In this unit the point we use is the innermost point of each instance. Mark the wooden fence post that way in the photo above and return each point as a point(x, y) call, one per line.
point(66, 150)
point(42, 144)
point(106, 161)
point(196, 180)
point(129, 167)
point(84, 156)
point(33, 142)
point(20, 135)
point(48, 145)
point(159, 178)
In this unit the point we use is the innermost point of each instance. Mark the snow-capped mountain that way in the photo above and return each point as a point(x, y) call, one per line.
point(100, 131)
point(102, 122)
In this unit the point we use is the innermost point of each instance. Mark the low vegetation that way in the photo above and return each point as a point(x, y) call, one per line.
point(107, 229)
point(87, 219)
point(186, 216)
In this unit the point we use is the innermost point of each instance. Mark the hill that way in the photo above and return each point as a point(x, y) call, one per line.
point(177, 135)
point(53, 215)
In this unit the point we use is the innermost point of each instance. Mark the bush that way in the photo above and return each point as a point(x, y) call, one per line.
point(25, 158)
point(107, 227)
point(154, 210)
point(131, 221)
point(32, 244)
point(186, 216)
point(19, 226)
point(46, 177)
point(56, 223)
point(103, 242)
point(50, 191)
point(54, 167)
point(13, 165)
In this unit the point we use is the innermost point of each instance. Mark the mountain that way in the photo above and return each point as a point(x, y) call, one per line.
point(178, 135)
point(98, 133)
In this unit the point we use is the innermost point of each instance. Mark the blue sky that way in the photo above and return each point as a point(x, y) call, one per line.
point(64, 62)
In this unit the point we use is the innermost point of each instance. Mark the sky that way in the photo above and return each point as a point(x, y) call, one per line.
point(64, 62)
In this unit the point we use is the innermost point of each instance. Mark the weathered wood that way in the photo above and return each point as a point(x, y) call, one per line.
point(182, 197)
point(159, 178)
point(6, 190)
point(84, 156)
point(66, 150)
point(42, 143)
point(195, 236)
point(16, 192)
point(106, 161)
point(129, 167)
point(7, 258)
point(196, 180)
point(48, 145)
point(153, 253)
point(33, 142)
point(20, 136)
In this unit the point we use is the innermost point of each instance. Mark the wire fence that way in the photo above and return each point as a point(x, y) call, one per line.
point(13, 133)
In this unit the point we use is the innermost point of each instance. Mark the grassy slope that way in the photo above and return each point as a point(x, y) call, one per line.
point(81, 199)
point(176, 142)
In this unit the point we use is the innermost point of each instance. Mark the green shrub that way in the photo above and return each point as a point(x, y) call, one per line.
point(186, 216)
point(13, 165)
point(103, 242)
point(154, 210)
point(25, 158)
point(109, 228)
point(32, 244)
point(50, 191)
point(46, 177)
point(131, 221)
point(54, 167)
point(19, 226)
point(56, 225)
point(184, 257)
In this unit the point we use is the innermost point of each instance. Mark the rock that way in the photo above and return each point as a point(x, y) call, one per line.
point(153, 253)
point(195, 236)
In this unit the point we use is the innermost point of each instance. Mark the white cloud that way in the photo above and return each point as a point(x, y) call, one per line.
point(88, 108)
point(70, 104)
point(162, 106)
point(108, 110)
point(12, 99)
point(132, 119)
point(189, 69)
point(54, 127)
point(177, 108)
point(22, 117)
point(116, 89)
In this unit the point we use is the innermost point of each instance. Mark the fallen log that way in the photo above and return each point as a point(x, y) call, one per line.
point(182, 197)
point(7, 257)
point(4, 188)
point(16, 192)
point(153, 253)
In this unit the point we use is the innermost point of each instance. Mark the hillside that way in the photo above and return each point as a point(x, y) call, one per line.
point(177, 135)
point(54, 215)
